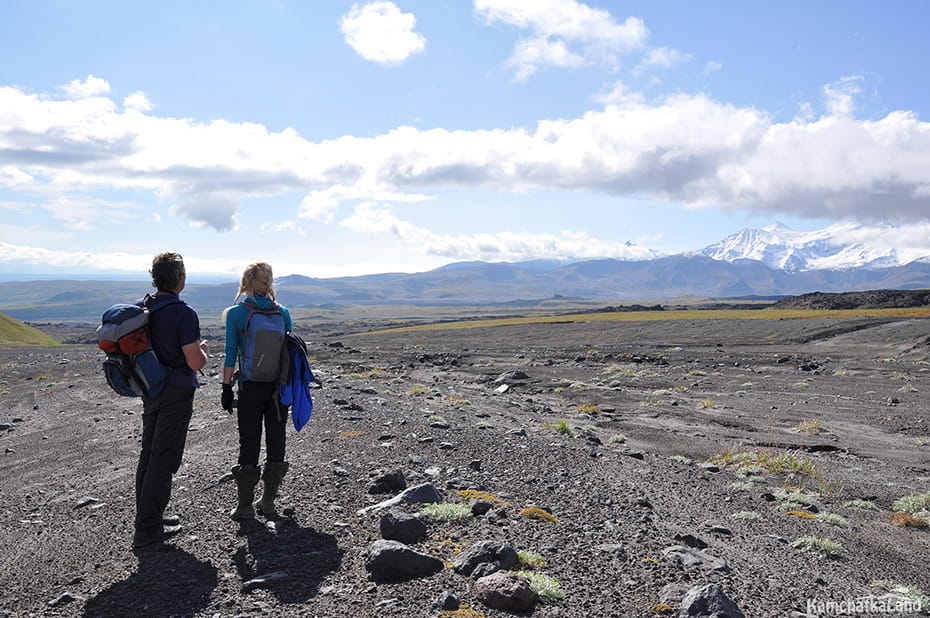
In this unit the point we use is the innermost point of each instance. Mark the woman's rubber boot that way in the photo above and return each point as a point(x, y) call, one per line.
point(272, 477)
point(246, 476)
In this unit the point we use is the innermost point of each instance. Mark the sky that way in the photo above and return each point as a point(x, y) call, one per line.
point(343, 138)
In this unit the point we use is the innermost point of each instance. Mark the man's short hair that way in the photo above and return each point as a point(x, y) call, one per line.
point(167, 270)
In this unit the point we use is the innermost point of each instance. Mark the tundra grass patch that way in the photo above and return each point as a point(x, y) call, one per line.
point(534, 512)
point(448, 511)
point(819, 545)
point(658, 316)
point(477, 494)
point(546, 587)
point(915, 504)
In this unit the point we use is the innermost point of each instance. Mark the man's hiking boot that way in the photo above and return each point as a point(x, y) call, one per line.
point(246, 476)
point(273, 476)
point(171, 520)
point(145, 538)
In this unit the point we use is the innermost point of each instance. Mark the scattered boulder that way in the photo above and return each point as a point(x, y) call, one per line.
point(505, 591)
point(403, 527)
point(688, 558)
point(263, 581)
point(446, 602)
point(501, 555)
point(673, 594)
point(708, 602)
point(425, 493)
point(393, 561)
point(511, 377)
point(615, 550)
point(481, 507)
point(387, 481)
point(87, 501)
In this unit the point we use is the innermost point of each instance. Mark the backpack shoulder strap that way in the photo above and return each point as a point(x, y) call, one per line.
point(253, 308)
point(153, 303)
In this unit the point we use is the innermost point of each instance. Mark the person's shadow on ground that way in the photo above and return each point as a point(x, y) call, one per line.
point(168, 582)
point(290, 561)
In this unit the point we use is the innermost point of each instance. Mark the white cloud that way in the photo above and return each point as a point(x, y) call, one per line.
point(840, 96)
point(661, 57)
point(563, 33)
point(372, 219)
point(284, 226)
point(381, 33)
point(138, 101)
point(618, 94)
point(684, 149)
point(711, 67)
point(115, 261)
point(530, 54)
point(90, 87)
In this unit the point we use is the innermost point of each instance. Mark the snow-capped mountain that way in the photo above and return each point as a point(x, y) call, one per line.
point(778, 246)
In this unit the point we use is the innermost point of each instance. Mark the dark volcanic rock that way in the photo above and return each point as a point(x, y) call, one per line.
point(393, 561)
point(499, 554)
point(506, 591)
point(708, 602)
point(400, 526)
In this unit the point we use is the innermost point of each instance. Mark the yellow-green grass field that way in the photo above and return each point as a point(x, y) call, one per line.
point(12, 331)
point(652, 316)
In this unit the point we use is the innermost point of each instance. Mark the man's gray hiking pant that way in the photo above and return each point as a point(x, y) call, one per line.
point(165, 420)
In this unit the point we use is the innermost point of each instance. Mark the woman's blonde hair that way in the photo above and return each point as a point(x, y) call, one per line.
point(257, 278)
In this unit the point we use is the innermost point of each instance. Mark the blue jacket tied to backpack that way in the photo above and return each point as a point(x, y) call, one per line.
point(295, 391)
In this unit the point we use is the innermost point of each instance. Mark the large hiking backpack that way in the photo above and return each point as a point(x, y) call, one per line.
point(131, 367)
point(261, 343)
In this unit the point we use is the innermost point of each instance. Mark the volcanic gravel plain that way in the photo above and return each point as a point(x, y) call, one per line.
point(726, 439)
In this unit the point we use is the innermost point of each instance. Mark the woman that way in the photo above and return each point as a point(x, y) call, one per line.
point(252, 328)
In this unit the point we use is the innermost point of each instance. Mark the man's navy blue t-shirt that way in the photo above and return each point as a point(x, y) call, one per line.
point(173, 326)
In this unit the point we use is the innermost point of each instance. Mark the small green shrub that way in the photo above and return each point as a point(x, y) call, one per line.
point(707, 403)
point(915, 504)
point(909, 594)
point(419, 389)
point(822, 546)
point(749, 470)
point(834, 520)
point(741, 486)
point(448, 511)
point(810, 426)
point(547, 588)
point(530, 559)
point(799, 497)
point(867, 505)
point(618, 438)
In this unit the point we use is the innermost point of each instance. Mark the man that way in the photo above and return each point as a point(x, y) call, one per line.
point(175, 330)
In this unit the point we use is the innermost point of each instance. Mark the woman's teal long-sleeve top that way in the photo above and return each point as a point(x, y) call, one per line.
point(235, 324)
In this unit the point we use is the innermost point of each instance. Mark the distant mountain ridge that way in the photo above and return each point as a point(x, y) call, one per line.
point(772, 261)
point(779, 247)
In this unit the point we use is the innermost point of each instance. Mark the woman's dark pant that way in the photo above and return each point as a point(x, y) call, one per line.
point(165, 421)
point(257, 405)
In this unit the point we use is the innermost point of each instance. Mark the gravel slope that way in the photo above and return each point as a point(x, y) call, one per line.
point(677, 392)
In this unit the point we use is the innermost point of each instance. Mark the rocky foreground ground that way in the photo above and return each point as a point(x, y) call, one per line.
point(634, 463)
